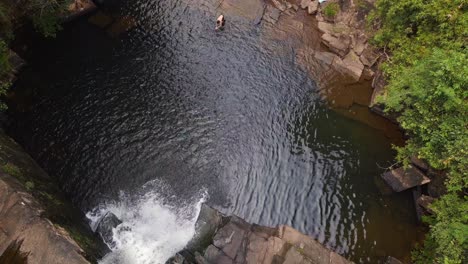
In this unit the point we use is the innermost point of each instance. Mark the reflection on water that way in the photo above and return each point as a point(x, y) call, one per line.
point(176, 101)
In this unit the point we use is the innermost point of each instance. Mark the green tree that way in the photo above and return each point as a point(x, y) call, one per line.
point(5, 69)
point(45, 15)
point(428, 86)
point(331, 10)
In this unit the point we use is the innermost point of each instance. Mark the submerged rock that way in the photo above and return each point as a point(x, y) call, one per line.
point(401, 179)
point(251, 10)
point(392, 260)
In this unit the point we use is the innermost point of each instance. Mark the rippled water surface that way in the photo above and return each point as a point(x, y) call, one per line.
point(227, 112)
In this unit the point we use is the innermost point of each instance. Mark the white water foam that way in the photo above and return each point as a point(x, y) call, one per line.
point(152, 230)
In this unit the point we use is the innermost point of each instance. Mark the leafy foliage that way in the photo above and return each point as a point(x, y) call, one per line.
point(11, 169)
point(432, 98)
point(447, 240)
point(5, 69)
point(45, 15)
point(4, 62)
point(5, 23)
point(331, 10)
point(428, 85)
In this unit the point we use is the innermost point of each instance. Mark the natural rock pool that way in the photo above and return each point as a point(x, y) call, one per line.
point(195, 111)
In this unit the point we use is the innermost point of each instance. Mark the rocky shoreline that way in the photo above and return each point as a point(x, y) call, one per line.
point(342, 58)
point(229, 239)
point(333, 50)
point(34, 212)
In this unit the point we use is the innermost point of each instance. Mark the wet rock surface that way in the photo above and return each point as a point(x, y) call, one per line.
point(20, 218)
point(78, 8)
point(33, 211)
point(401, 179)
point(108, 222)
point(223, 239)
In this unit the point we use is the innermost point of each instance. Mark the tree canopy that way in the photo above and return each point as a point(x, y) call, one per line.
point(427, 73)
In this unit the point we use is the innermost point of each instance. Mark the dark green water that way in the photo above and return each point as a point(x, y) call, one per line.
point(174, 101)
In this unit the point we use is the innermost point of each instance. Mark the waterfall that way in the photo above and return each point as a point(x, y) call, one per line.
point(153, 227)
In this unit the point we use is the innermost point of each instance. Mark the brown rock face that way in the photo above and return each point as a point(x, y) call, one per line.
point(28, 200)
point(20, 219)
point(236, 241)
point(79, 8)
point(312, 8)
point(305, 3)
point(354, 65)
point(401, 179)
point(338, 45)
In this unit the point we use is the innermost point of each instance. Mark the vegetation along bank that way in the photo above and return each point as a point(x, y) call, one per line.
point(427, 75)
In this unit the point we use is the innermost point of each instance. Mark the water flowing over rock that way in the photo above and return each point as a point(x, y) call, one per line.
point(230, 239)
point(108, 222)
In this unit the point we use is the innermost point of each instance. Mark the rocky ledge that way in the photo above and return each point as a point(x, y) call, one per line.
point(229, 239)
point(37, 224)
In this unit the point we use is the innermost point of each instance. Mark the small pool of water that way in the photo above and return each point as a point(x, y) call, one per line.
point(204, 111)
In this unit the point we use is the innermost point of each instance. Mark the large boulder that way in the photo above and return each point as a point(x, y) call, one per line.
point(280, 5)
point(21, 218)
point(359, 43)
point(34, 210)
point(206, 226)
point(325, 58)
point(401, 179)
point(338, 45)
point(312, 8)
point(106, 226)
point(354, 65)
point(233, 240)
point(305, 3)
point(369, 57)
point(350, 66)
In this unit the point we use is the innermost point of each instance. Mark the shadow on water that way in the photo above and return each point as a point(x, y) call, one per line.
point(176, 101)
